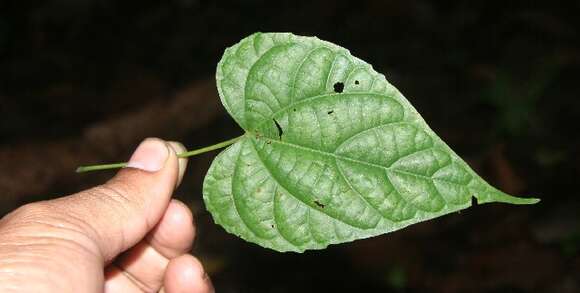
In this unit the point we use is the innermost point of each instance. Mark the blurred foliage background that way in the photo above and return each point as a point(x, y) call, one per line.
point(83, 81)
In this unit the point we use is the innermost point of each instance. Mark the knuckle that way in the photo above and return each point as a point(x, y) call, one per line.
point(119, 192)
point(120, 199)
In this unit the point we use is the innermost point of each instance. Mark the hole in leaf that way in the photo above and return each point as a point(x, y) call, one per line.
point(473, 201)
point(356, 82)
point(319, 204)
point(338, 87)
point(330, 112)
point(280, 131)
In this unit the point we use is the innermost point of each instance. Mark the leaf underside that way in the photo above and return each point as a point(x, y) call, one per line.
point(332, 151)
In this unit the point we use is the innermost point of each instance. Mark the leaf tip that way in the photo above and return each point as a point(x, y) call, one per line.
point(517, 200)
point(506, 198)
point(530, 200)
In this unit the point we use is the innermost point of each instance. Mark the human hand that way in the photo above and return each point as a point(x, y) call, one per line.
point(126, 235)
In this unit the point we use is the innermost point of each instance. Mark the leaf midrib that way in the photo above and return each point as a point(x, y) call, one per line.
point(352, 160)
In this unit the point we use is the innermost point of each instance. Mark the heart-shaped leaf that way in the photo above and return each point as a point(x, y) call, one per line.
point(332, 151)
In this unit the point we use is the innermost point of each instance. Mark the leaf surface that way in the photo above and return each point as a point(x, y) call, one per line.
point(332, 151)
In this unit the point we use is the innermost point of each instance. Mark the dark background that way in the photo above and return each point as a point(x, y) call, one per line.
point(83, 81)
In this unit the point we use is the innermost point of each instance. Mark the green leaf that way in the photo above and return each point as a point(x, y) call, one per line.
point(332, 151)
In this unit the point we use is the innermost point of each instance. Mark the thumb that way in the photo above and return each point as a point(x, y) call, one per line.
point(119, 213)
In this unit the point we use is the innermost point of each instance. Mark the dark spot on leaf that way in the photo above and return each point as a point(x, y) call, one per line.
point(356, 82)
point(268, 142)
point(338, 87)
point(280, 131)
point(272, 226)
point(330, 112)
point(294, 109)
point(319, 204)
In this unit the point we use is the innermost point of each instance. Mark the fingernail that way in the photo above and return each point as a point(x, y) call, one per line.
point(150, 155)
point(178, 148)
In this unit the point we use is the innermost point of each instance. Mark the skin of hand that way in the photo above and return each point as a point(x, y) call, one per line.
point(126, 235)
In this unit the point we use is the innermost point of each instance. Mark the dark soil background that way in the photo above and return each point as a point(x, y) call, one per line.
point(83, 81)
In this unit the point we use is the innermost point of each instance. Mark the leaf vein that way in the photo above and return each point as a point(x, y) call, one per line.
point(277, 220)
point(288, 191)
point(298, 69)
point(326, 95)
point(234, 198)
point(347, 181)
